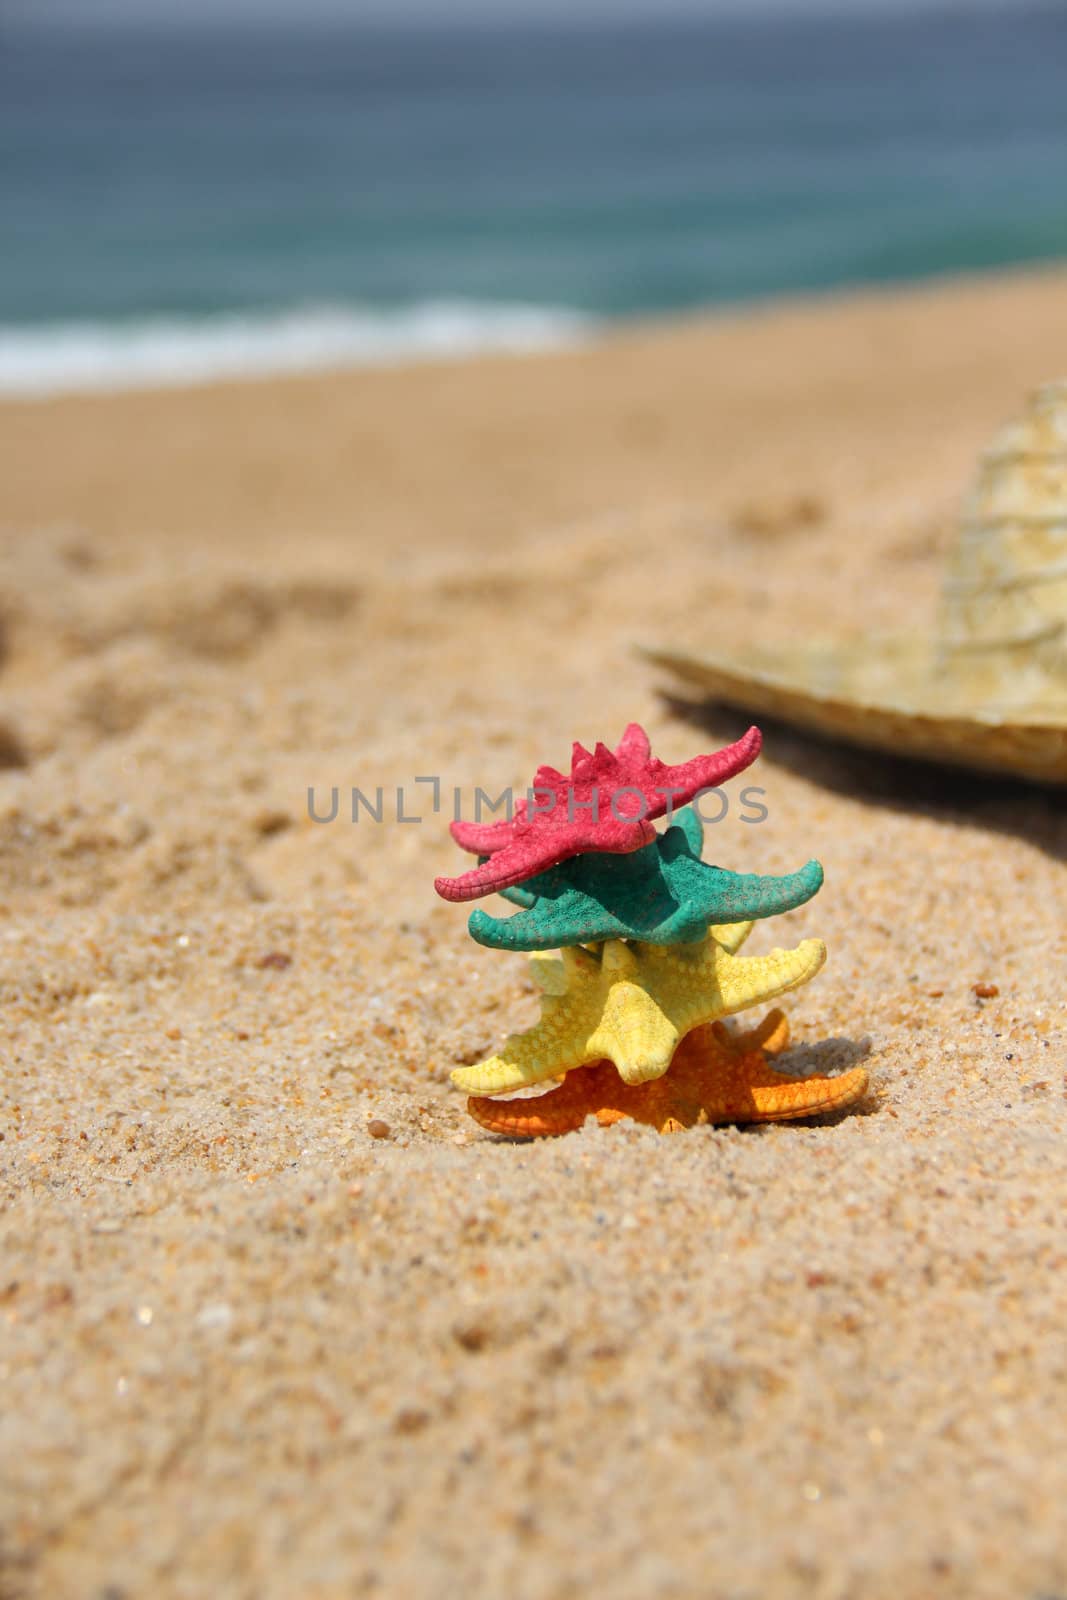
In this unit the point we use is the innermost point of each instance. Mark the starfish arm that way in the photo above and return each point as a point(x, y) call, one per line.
point(492, 875)
point(687, 925)
point(697, 984)
point(534, 851)
point(520, 895)
point(574, 985)
point(483, 838)
point(634, 1034)
point(526, 1119)
point(703, 772)
point(551, 926)
point(595, 1090)
point(745, 981)
point(525, 1059)
point(619, 962)
point(549, 973)
point(492, 931)
point(692, 830)
point(750, 1091)
point(717, 895)
point(771, 1035)
point(731, 935)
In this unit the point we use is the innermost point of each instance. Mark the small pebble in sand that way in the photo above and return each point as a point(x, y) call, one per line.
point(271, 820)
point(986, 991)
point(378, 1129)
point(410, 1419)
point(216, 1315)
point(276, 960)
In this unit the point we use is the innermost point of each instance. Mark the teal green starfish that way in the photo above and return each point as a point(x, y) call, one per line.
point(662, 894)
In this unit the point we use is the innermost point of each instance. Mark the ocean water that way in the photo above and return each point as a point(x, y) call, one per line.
point(185, 203)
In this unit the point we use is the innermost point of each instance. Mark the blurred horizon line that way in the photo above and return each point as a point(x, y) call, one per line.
point(130, 18)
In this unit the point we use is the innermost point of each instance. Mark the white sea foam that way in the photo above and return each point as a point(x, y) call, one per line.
point(71, 357)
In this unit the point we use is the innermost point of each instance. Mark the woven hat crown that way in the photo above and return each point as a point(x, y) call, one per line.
point(1002, 632)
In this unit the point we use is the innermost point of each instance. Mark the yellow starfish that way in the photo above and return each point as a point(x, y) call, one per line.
point(632, 1003)
point(716, 1076)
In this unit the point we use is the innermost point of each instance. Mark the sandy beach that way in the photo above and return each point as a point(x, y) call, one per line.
point(248, 1350)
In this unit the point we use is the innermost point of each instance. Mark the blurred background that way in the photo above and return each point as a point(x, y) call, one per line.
point(246, 185)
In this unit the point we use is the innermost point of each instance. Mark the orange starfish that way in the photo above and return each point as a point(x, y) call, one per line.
point(716, 1076)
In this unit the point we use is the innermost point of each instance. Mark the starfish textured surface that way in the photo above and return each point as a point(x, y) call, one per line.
point(631, 1004)
point(716, 1077)
point(607, 803)
point(663, 894)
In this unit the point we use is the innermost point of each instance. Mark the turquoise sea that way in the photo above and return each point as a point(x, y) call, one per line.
point(190, 201)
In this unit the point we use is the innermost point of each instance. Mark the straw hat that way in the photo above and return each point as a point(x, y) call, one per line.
point(988, 687)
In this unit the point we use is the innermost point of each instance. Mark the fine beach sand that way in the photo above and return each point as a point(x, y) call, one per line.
point(246, 1349)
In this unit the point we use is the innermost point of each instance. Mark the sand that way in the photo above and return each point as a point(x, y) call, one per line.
point(246, 1349)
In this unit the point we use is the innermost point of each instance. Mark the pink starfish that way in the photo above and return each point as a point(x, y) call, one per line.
point(607, 804)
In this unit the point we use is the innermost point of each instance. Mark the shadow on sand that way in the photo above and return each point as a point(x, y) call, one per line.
point(1004, 805)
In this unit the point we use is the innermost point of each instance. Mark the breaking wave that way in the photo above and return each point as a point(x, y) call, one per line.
point(71, 357)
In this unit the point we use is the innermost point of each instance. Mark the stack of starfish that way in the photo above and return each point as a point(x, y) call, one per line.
point(648, 936)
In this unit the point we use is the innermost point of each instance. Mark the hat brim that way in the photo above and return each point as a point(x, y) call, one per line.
point(882, 699)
